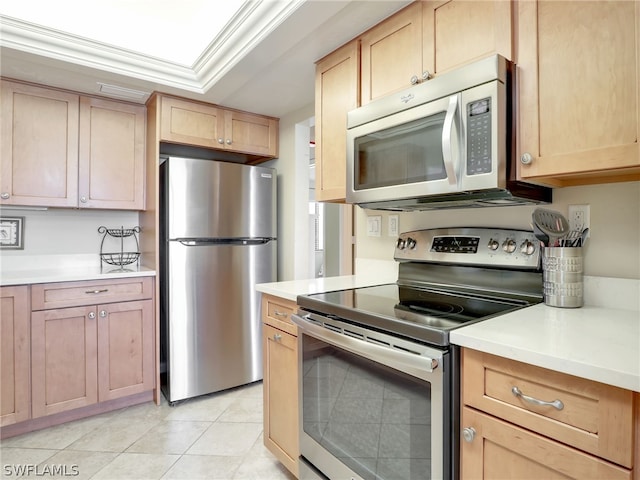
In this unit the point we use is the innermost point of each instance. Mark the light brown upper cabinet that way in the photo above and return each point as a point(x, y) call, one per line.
point(60, 149)
point(112, 141)
point(430, 37)
point(392, 54)
point(337, 80)
point(39, 146)
point(456, 32)
point(579, 85)
point(205, 125)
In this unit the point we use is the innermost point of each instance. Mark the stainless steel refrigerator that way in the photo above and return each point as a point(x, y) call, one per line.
point(217, 241)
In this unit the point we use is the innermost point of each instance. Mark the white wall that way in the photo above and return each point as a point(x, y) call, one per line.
point(66, 231)
point(613, 250)
point(288, 174)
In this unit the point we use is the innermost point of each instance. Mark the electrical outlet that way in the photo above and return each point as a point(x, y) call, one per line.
point(579, 217)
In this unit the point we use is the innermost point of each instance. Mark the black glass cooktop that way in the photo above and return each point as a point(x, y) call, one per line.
point(425, 314)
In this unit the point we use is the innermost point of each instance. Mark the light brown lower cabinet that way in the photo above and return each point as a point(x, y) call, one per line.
point(15, 387)
point(500, 449)
point(84, 355)
point(280, 352)
point(526, 422)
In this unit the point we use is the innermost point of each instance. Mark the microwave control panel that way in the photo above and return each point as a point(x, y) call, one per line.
point(479, 137)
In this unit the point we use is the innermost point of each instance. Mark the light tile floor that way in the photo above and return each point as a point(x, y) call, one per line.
point(217, 436)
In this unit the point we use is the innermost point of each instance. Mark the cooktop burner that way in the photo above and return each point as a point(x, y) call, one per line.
point(447, 278)
point(418, 313)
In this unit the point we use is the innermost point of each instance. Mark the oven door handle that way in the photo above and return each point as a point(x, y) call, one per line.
point(420, 366)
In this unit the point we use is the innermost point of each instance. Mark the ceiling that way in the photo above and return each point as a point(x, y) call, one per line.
point(257, 56)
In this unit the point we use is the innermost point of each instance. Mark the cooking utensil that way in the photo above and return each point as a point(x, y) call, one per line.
point(583, 237)
point(540, 235)
point(553, 223)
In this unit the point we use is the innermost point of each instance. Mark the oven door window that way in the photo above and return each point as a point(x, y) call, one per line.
point(373, 419)
point(403, 154)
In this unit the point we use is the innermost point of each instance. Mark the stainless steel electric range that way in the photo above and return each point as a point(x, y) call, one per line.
point(379, 393)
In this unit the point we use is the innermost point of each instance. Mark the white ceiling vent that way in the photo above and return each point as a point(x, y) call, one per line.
point(123, 92)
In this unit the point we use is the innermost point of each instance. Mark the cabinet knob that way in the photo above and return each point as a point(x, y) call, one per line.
point(92, 315)
point(103, 313)
point(426, 75)
point(4, 195)
point(414, 80)
point(228, 141)
point(220, 141)
point(83, 199)
point(526, 158)
point(277, 337)
point(469, 433)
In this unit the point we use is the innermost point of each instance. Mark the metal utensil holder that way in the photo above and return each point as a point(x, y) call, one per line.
point(122, 257)
point(562, 269)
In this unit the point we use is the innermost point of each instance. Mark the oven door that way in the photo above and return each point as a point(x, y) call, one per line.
point(372, 406)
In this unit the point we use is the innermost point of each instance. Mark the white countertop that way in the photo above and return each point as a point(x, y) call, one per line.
point(597, 343)
point(368, 272)
point(291, 289)
point(63, 268)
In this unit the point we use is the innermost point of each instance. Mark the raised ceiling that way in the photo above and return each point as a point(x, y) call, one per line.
point(252, 55)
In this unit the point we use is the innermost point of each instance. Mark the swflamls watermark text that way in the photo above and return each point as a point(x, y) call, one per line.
point(44, 470)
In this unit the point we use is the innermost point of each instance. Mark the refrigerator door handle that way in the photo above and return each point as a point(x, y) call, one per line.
point(191, 242)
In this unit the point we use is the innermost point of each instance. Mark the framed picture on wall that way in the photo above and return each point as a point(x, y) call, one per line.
point(12, 233)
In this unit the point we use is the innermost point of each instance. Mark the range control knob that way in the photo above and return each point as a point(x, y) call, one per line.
point(509, 245)
point(527, 247)
point(400, 244)
point(493, 244)
point(411, 243)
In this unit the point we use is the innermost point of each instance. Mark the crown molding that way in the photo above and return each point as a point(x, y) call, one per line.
point(250, 25)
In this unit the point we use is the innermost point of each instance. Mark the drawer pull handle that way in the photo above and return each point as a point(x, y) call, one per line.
point(93, 292)
point(557, 404)
point(280, 314)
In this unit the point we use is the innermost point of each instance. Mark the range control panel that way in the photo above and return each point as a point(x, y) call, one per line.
point(490, 247)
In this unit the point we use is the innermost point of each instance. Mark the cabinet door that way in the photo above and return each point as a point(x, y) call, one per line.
point(251, 134)
point(191, 123)
point(63, 360)
point(392, 54)
point(15, 355)
point(579, 83)
point(125, 349)
point(112, 145)
point(337, 82)
point(280, 351)
point(39, 146)
point(460, 31)
point(501, 450)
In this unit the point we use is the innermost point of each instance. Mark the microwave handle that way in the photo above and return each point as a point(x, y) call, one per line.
point(447, 140)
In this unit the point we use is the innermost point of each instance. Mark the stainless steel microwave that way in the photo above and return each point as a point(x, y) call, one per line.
point(445, 143)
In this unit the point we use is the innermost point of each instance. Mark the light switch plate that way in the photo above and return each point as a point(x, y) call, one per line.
point(374, 225)
point(394, 225)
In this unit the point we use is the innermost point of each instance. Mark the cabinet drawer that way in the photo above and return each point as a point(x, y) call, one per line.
point(593, 417)
point(277, 313)
point(497, 449)
point(68, 294)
